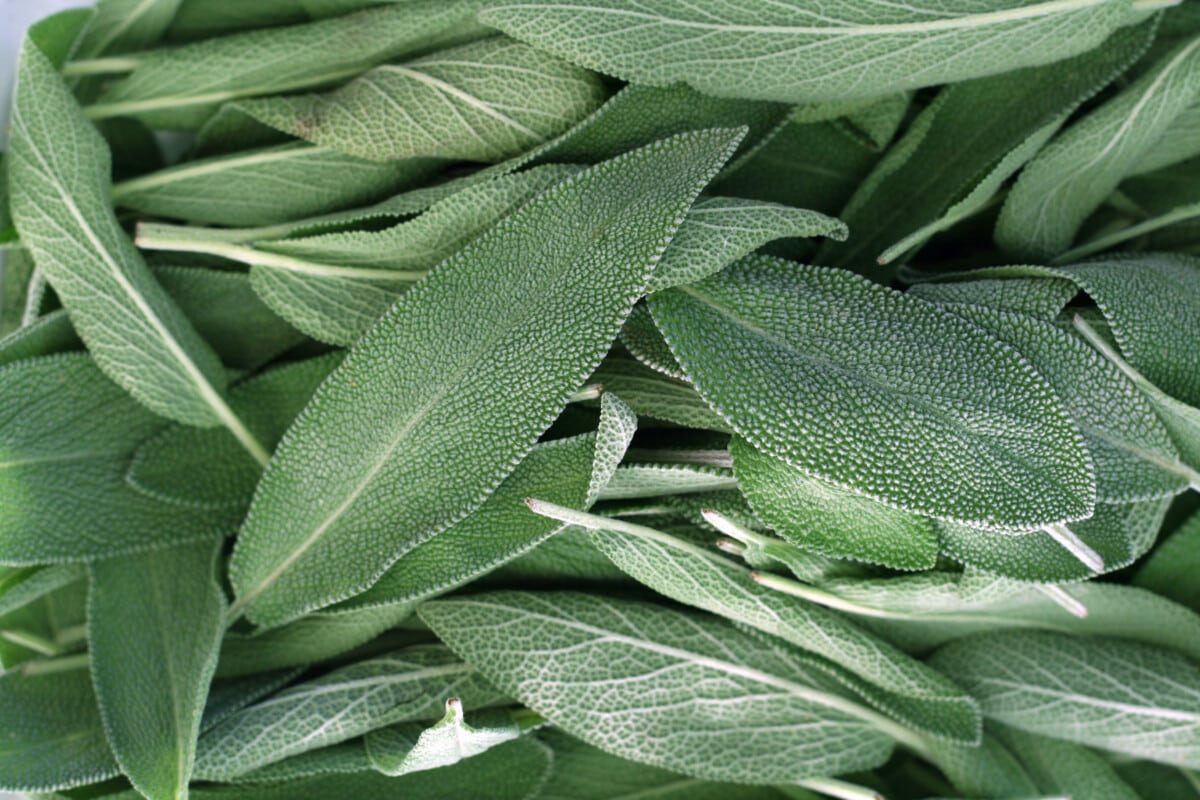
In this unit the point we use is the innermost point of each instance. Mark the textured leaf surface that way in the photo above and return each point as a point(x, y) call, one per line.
point(51, 736)
point(838, 377)
point(1170, 568)
point(1122, 696)
point(400, 750)
point(483, 101)
point(1077, 171)
point(829, 520)
point(59, 174)
point(488, 360)
point(405, 685)
point(154, 626)
point(653, 394)
point(668, 688)
point(180, 87)
point(267, 186)
point(1064, 768)
point(792, 52)
point(688, 574)
point(62, 470)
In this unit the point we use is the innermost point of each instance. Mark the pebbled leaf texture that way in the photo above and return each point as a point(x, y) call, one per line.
point(154, 626)
point(59, 178)
point(794, 52)
point(484, 101)
point(863, 387)
point(463, 373)
point(1121, 696)
point(668, 688)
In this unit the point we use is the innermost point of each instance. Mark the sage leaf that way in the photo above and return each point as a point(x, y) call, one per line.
point(181, 87)
point(641, 337)
point(970, 139)
point(59, 178)
point(649, 393)
point(1065, 768)
point(1178, 142)
point(154, 625)
point(836, 394)
point(721, 230)
point(726, 705)
point(226, 697)
point(1042, 297)
point(62, 477)
point(409, 684)
point(583, 772)
point(792, 53)
point(267, 186)
point(824, 518)
point(203, 19)
point(20, 587)
point(1071, 177)
point(1168, 570)
point(346, 758)
point(395, 750)
point(51, 737)
point(633, 481)
point(124, 26)
point(584, 249)
point(888, 679)
point(45, 336)
point(1156, 780)
point(484, 101)
point(206, 468)
point(1122, 696)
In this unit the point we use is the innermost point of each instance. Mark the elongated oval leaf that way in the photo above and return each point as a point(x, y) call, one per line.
point(725, 706)
point(484, 101)
point(155, 622)
point(860, 386)
point(795, 53)
point(1122, 696)
point(454, 384)
point(180, 87)
point(59, 177)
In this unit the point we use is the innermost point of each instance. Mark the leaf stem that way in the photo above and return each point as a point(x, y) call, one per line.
point(1180, 214)
point(1071, 542)
point(31, 641)
point(840, 789)
point(1154, 5)
point(64, 664)
point(1060, 596)
point(100, 66)
point(589, 392)
point(147, 239)
point(705, 458)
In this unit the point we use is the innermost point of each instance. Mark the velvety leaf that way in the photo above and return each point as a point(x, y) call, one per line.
point(1073, 175)
point(62, 480)
point(154, 625)
point(50, 733)
point(412, 408)
point(180, 87)
point(267, 186)
point(22, 586)
point(346, 758)
point(201, 19)
point(123, 26)
point(45, 336)
point(724, 705)
point(824, 518)
point(794, 53)
point(838, 377)
point(632, 481)
point(1170, 569)
point(1064, 768)
point(652, 394)
point(404, 685)
point(404, 749)
point(1122, 696)
point(1041, 297)
point(483, 101)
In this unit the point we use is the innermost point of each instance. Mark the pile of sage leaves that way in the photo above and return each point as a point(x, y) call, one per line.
point(599, 400)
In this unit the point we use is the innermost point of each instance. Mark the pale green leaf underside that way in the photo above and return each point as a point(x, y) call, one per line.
point(837, 377)
point(795, 52)
point(403, 749)
point(454, 384)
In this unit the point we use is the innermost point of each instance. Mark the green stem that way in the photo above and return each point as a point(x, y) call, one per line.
point(840, 789)
point(31, 641)
point(1181, 214)
point(64, 664)
point(100, 66)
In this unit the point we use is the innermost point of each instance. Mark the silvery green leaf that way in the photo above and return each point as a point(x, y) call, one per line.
point(721, 230)
point(202, 19)
point(484, 101)
point(970, 139)
point(1114, 537)
point(1178, 143)
point(62, 471)
point(414, 429)
point(725, 705)
point(824, 518)
point(651, 394)
point(316, 637)
point(227, 696)
point(816, 367)
point(339, 759)
point(123, 26)
point(1118, 695)
point(1170, 568)
point(632, 481)
point(154, 626)
point(22, 586)
point(403, 749)
point(1124, 436)
point(409, 684)
point(138, 336)
point(794, 53)
point(889, 680)
point(267, 186)
point(986, 770)
point(1064, 768)
point(1042, 297)
point(180, 87)
point(45, 336)
point(583, 772)
point(206, 468)
point(50, 732)
point(641, 337)
point(1073, 175)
